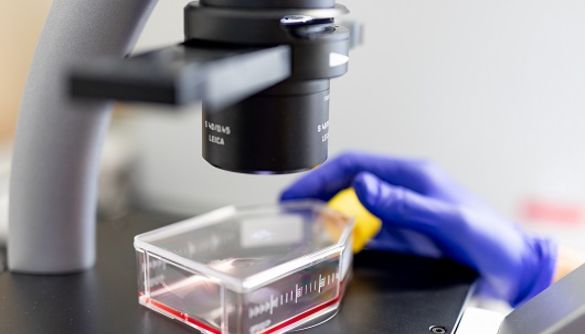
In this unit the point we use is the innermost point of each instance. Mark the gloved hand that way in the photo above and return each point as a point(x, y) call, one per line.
point(425, 213)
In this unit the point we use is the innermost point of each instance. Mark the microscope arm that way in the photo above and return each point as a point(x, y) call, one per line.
point(219, 74)
point(58, 141)
point(182, 74)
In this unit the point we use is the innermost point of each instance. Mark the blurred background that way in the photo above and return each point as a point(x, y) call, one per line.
point(492, 91)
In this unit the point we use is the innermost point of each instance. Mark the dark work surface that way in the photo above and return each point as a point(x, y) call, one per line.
point(389, 293)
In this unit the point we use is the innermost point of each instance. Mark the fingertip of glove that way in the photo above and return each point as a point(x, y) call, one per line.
point(287, 195)
point(366, 187)
point(544, 256)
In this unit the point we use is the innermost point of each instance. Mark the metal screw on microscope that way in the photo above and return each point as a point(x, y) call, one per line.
point(437, 329)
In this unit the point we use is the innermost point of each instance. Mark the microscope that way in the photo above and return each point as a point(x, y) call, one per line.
point(260, 68)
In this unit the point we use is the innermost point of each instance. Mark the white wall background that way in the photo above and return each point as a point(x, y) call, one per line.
point(494, 91)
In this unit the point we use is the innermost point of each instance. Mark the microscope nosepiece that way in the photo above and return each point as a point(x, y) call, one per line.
point(285, 128)
point(263, 4)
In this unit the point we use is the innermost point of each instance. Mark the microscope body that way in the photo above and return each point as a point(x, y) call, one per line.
point(261, 69)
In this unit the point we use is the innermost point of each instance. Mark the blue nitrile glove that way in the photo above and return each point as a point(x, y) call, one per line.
point(424, 212)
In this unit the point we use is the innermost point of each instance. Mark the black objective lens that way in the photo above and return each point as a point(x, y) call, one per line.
point(274, 132)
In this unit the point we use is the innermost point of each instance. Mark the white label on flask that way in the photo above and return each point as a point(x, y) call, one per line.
point(263, 232)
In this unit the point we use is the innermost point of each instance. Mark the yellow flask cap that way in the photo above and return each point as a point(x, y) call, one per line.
point(366, 224)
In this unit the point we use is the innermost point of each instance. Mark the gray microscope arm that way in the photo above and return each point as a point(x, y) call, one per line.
point(58, 141)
